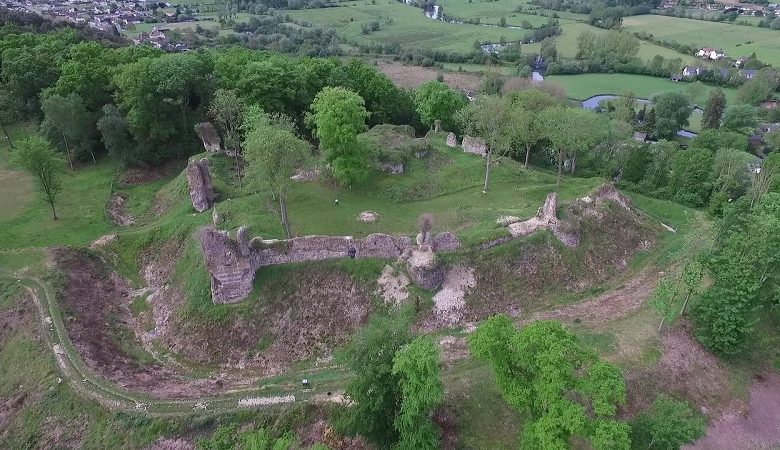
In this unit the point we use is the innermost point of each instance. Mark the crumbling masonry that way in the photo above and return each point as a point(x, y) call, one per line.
point(232, 263)
point(201, 187)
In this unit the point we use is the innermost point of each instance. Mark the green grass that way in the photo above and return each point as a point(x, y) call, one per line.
point(584, 86)
point(409, 28)
point(735, 40)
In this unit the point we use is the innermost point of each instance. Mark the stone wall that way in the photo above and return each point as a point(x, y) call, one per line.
point(474, 145)
point(232, 263)
point(201, 187)
point(452, 140)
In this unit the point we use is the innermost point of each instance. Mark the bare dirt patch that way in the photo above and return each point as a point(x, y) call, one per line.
point(116, 210)
point(686, 369)
point(609, 306)
point(393, 285)
point(757, 426)
point(449, 302)
point(414, 76)
point(308, 314)
point(368, 216)
point(99, 322)
point(141, 175)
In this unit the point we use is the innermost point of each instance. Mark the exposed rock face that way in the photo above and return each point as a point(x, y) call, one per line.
point(445, 242)
point(393, 168)
point(452, 140)
point(474, 145)
point(208, 134)
point(306, 175)
point(201, 188)
point(437, 126)
point(424, 270)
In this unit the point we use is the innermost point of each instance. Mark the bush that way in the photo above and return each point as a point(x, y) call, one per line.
point(668, 425)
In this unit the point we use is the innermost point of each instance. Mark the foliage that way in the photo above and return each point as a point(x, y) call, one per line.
point(672, 112)
point(714, 140)
point(228, 437)
point(417, 367)
point(273, 153)
point(754, 91)
point(564, 389)
point(115, 134)
point(713, 110)
point(67, 122)
point(228, 110)
point(375, 389)
point(339, 116)
point(36, 156)
point(668, 425)
point(437, 101)
point(742, 271)
point(689, 180)
point(740, 118)
point(528, 103)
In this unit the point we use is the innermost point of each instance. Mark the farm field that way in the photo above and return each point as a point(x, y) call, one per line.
point(492, 12)
point(735, 40)
point(584, 86)
point(405, 25)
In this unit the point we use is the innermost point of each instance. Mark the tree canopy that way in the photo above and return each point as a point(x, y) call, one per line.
point(435, 100)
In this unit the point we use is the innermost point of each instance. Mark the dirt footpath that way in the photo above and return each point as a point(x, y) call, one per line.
point(756, 427)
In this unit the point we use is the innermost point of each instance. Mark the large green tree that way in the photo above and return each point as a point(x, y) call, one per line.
point(672, 112)
point(417, 367)
point(227, 109)
point(743, 269)
point(491, 119)
point(714, 140)
point(435, 100)
point(689, 180)
point(573, 131)
point(563, 389)
point(375, 390)
point(273, 153)
point(339, 115)
point(67, 121)
point(37, 157)
point(668, 425)
point(115, 134)
point(713, 110)
point(158, 95)
point(755, 90)
point(740, 119)
point(527, 104)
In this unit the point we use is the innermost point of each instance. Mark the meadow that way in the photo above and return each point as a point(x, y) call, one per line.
point(583, 86)
point(735, 40)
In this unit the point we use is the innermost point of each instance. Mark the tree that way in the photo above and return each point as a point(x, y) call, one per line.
point(695, 90)
point(649, 125)
point(714, 140)
point(572, 130)
point(689, 180)
point(417, 367)
point(713, 110)
point(374, 390)
point(227, 109)
point(740, 118)
point(564, 389)
point(527, 105)
point(67, 120)
point(273, 152)
point(489, 118)
point(437, 101)
point(668, 425)
point(87, 72)
point(672, 111)
point(37, 157)
point(10, 112)
point(115, 134)
point(755, 90)
point(743, 272)
point(339, 116)
point(158, 94)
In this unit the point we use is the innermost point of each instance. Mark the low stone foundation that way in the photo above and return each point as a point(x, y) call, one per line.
point(232, 263)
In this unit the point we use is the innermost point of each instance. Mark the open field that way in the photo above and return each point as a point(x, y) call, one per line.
point(584, 86)
point(735, 40)
point(405, 25)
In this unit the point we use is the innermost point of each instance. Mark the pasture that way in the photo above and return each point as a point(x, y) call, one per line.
point(584, 86)
point(735, 40)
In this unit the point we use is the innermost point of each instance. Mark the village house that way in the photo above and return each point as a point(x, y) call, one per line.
point(692, 71)
point(711, 53)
